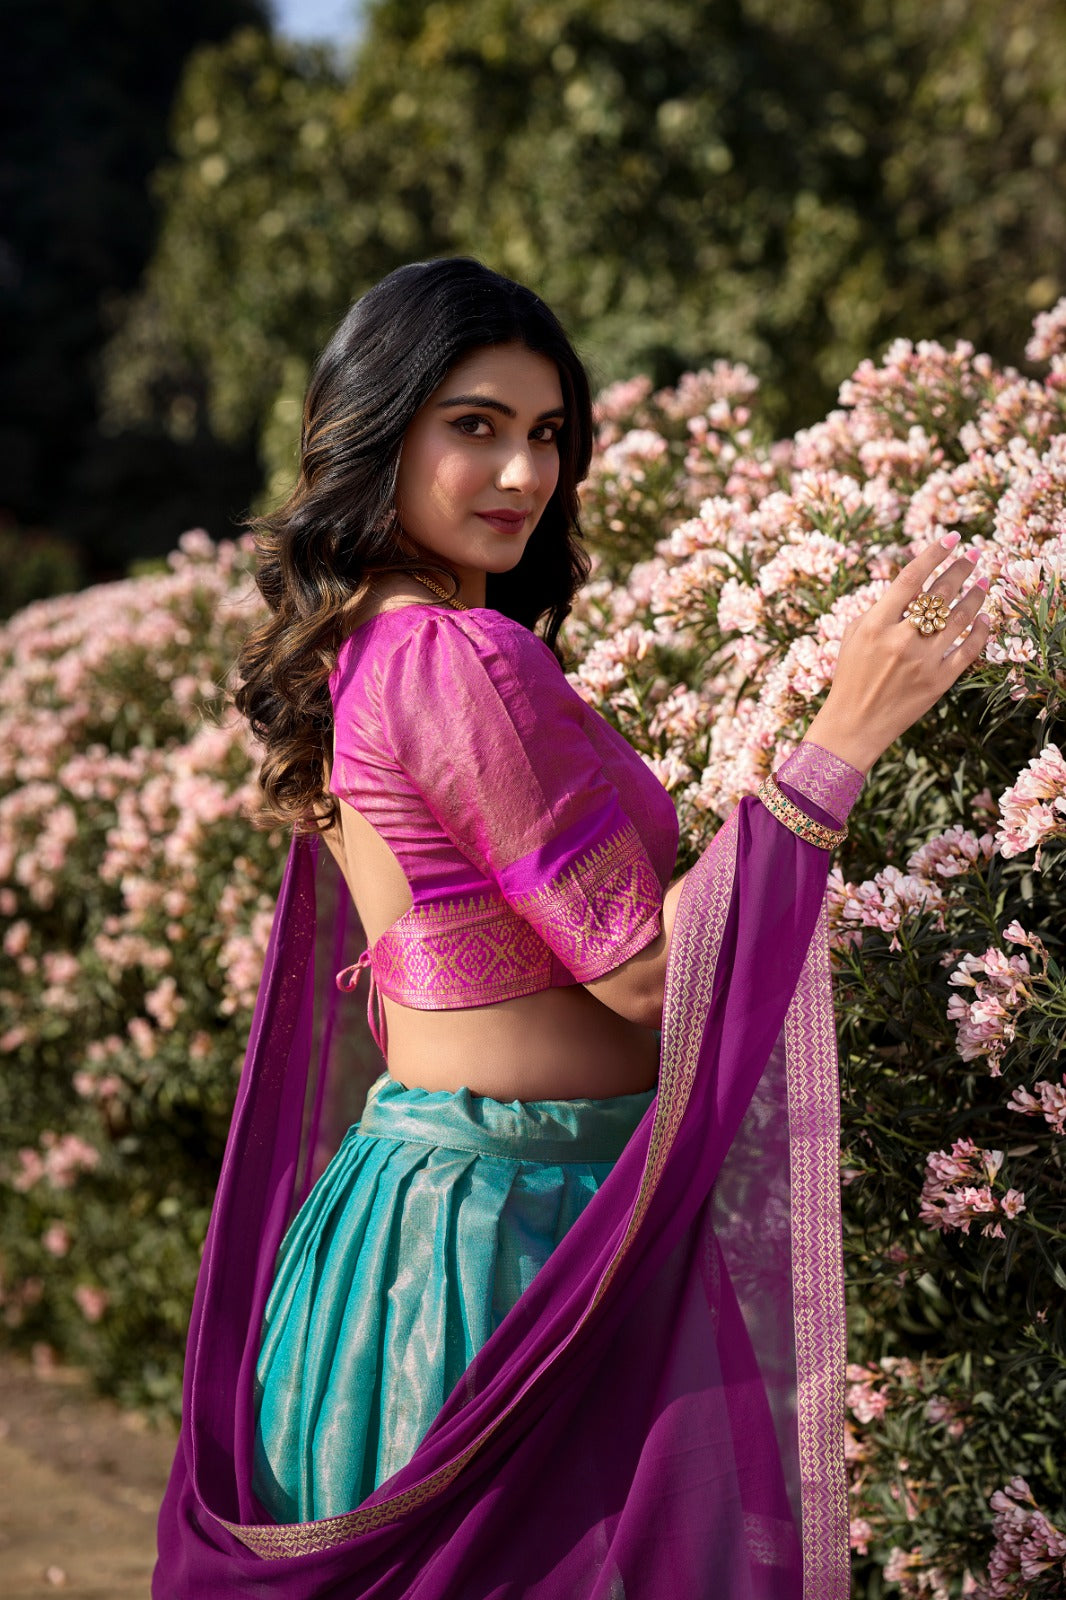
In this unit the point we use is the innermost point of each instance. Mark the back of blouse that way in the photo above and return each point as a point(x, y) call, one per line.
point(535, 842)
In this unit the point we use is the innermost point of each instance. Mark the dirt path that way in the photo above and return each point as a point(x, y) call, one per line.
point(82, 1482)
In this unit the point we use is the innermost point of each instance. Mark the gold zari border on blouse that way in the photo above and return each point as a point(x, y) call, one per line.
point(444, 944)
point(484, 949)
point(689, 985)
point(565, 907)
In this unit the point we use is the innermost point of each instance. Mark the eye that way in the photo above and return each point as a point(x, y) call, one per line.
point(473, 427)
point(546, 432)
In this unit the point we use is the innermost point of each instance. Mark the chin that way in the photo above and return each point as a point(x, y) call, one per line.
point(506, 561)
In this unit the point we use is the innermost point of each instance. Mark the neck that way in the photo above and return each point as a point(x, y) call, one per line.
point(472, 586)
point(405, 586)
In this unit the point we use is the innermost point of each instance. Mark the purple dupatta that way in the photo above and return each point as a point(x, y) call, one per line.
point(660, 1416)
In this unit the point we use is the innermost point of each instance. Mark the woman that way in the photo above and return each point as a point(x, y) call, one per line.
point(563, 1315)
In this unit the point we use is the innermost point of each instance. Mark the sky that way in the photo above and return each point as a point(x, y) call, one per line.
point(336, 20)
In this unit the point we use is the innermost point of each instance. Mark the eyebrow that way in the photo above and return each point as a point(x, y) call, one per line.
point(484, 403)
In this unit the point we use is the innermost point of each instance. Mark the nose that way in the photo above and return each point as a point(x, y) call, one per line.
point(519, 470)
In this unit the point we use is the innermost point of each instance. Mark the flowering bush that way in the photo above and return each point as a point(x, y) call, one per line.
point(135, 901)
point(728, 567)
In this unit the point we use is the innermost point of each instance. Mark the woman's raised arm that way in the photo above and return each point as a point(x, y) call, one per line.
point(888, 675)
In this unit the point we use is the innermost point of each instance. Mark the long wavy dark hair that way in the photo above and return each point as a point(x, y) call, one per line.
point(319, 551)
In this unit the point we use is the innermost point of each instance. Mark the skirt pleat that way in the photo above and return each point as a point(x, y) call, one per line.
point(435, 1214)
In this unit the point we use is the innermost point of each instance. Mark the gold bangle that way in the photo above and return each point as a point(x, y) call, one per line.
point(798, 821)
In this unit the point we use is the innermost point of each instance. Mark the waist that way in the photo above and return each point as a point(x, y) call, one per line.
point(560, 1043)
point(473, 982)
point(557, 1131)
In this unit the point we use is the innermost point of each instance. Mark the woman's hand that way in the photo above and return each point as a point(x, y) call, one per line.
point(888, 674)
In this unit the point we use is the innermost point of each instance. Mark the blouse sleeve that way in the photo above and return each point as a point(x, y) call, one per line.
point(480, 717)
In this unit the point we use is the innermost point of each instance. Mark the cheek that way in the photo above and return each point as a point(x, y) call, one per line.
point(437, 474)
point(456, 475)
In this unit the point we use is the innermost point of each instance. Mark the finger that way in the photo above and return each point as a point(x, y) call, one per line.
point(960, 572)
point(963, 612)
point(912, 578)
point(965, 654)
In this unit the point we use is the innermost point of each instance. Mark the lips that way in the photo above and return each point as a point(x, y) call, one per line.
point(504, 521)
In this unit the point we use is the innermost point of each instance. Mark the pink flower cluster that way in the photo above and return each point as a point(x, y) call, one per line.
point(719, 454)
point(91, 1301)
point(608, 664)
point(58, 1161)
point(987, 1022)
point(950, 1412)
point(56, 1239)
point(125, 831)
point(952, 854)
point(1048, 1102)
point(1049, 334)
point(918, 1579)
point(881, 1478)
point(67, 662)
point(1033, 809)
point(918, 383)
point(1028, 1547)
point(619, 406)
point(958, 1190)
point(884, 902)
point(697, 392)
point(1018, 409)
point(869, 1392)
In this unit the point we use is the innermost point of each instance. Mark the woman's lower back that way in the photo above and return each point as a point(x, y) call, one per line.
point(559, 1044)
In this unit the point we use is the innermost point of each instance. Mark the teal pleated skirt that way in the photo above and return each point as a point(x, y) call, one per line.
point(437, 1211)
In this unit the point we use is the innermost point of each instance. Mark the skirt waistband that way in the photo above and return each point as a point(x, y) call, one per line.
point(517, 1130)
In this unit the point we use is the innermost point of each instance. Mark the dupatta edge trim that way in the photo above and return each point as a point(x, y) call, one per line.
point(813, 1089)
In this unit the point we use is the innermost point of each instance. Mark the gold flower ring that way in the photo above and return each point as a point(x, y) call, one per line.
point(927, 613)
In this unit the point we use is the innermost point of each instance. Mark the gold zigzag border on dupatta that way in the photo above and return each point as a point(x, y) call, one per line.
point(689, 984)
point(813, 1087)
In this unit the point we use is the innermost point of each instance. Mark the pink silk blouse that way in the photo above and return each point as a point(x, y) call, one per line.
point(536, 843)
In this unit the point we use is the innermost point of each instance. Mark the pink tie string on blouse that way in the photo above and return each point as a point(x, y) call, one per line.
point(347, 980)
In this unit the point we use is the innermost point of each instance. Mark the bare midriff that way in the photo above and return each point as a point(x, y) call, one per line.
point(560, 1044)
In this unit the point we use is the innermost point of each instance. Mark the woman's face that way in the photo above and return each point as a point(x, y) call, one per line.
point(480, 461)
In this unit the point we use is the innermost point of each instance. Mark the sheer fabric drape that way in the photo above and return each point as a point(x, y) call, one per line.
point(660, 1415)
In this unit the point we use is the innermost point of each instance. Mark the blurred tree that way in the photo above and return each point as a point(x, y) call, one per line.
point(86, 88)
point(786, 182)
point(32, 566)
point(258, 214)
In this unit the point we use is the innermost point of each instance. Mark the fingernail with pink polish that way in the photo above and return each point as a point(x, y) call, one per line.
point(982, 583)
point(950, 540)
point(972, 555)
